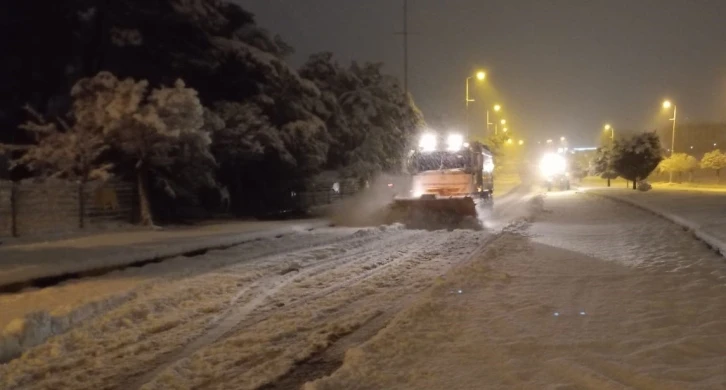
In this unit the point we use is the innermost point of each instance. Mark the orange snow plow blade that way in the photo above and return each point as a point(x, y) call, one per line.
point(441, 213)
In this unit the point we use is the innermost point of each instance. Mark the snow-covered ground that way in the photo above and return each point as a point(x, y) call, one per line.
point(21, 262)
point(696, 208)
point(33, 315)
point(593, 295)
point(237, 318)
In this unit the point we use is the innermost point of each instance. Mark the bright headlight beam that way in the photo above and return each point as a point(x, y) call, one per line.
point(488, 166)
point(552, 164)
point(454, 142)
point(427, 142)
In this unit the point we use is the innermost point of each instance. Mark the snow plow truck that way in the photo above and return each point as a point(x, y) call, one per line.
point(449, 181)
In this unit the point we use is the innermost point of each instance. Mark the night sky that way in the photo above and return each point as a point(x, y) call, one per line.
point(561, 67)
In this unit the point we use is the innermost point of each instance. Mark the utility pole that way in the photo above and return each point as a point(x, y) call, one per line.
point(405, 34)
point(405, 46)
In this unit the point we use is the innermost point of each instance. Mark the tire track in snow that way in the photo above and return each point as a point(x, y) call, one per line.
point(329, 360)
point(267, 288)
point(257, 258)
point(44, 322)
point(409, 248)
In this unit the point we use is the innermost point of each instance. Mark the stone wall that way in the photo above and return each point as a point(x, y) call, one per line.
point(6, 213)
point(46, 208)
point(55, 207)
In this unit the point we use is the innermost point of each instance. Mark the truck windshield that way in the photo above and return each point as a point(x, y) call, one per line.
point(439, 160)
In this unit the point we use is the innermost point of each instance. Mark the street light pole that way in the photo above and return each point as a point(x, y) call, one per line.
point(673, 132)
point(667, 104)
point(497, 107)
point(612, 148)
point(480, 76)
point(468, 122)
point(673, 140)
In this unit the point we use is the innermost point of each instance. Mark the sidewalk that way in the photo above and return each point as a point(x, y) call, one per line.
point(702, 212)
point(32, 261)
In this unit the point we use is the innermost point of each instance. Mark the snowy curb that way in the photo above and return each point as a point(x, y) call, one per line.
point(24, 333)
point(12, 281)
point(716, 243)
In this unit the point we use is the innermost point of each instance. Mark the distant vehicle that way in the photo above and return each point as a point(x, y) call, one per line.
point(553, 168)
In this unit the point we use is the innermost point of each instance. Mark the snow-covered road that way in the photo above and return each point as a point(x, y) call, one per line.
point(593, 295)
point(237, 318)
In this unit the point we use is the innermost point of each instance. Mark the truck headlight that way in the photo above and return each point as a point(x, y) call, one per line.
point(552, 164)
point(427, 142)
point(454, 142)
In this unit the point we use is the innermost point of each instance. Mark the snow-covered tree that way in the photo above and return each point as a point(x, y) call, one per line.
point(244, 142)
point(370, 120)
point(333, 81)
point(496, 142)
point(383, 121)
point(714, 160)
point(291, 126)
point(64, 150)
point(692, 164)
point(636, 157)
point(601, 164)
point(678, 163)
point(153, 130)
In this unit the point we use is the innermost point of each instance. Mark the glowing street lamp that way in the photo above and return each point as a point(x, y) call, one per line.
point(503, 121)
point(612, 132)
point(480, 75)
point(667, 105)
point(505, 129)
point(521, 142)
point(562, 139)
point(497, 107)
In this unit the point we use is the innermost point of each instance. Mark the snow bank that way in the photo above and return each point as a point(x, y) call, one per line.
point(36, 327)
